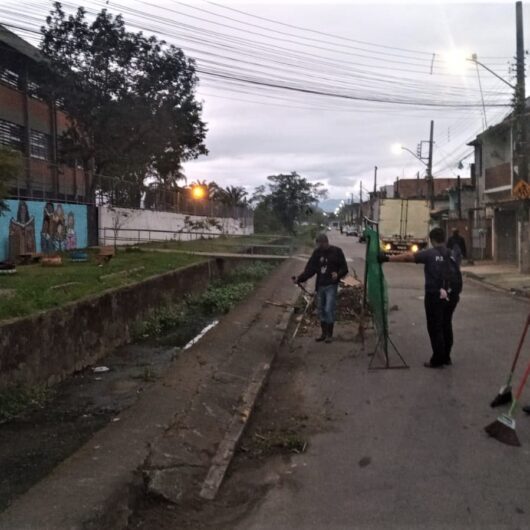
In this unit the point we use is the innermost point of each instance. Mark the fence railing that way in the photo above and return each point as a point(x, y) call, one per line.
point(46, 181)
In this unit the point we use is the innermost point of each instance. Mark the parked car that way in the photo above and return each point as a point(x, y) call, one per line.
point(351, 231)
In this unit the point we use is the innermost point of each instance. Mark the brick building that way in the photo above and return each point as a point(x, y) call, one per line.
point(32, 123)
point(418, 188)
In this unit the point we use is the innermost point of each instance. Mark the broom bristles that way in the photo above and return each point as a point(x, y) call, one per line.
point(502, 398)
point(503, 430)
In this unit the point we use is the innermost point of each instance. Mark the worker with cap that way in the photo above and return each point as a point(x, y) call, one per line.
point(329, 265)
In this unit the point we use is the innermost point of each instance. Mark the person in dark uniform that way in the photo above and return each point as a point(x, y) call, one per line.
point(443, 284)
point(329, 265)
point(458, 245)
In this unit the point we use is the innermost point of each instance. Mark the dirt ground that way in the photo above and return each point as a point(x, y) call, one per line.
point(282, 426)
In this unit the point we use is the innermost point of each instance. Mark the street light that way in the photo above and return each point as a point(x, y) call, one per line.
point(398, 148)
point(198, 192)
point(428, 163)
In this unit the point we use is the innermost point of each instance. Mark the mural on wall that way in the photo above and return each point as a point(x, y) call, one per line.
point(62, 227)
point(21, 232)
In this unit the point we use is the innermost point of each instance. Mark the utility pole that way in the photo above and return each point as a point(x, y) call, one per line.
point(361, 201)
point(459, 196)
point(430, 182)
point(520, 159)
point(374, 198)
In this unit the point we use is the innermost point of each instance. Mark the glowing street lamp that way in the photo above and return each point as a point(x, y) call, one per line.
point(396, 149)
point(198, 192)
point(456, 60)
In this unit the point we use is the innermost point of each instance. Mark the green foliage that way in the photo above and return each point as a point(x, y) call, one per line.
point(218, 300)
point(133, 96)
point(266, 221)
point(195, 311)
point(251, 273)
point(10, 169)
point(232, 196)
point(17, 400)
point(291, 198)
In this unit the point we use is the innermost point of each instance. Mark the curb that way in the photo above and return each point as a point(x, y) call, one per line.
point(227, 448)
point(478, 280)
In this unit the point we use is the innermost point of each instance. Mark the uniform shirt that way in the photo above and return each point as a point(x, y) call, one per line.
point(324, 262)
point(434, 264)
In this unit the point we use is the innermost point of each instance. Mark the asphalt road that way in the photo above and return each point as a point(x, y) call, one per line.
point(407, 448)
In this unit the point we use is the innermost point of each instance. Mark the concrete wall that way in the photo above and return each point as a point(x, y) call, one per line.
point(49, 346)
point(130, 226)
point(66, 230)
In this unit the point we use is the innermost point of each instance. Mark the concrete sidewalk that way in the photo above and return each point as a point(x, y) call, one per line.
point(170, 436)
point(499, 275)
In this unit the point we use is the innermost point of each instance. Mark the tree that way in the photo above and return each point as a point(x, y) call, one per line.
point(290, 198)
point(10, 169)
point(212, 188)
point(232, 196)
point(131, 99)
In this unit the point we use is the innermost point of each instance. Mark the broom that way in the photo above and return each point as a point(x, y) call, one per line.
point(503, 428)
point(505, 393)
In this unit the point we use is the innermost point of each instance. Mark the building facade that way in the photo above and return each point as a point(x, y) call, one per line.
point(32, 124)
point(496, 212)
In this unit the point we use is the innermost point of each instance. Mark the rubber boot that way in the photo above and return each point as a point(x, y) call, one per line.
point(329, 335)
point(324, 334)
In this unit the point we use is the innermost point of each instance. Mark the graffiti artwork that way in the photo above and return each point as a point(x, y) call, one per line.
point(62, 227)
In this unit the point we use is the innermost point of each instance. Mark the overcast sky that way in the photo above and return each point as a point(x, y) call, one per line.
point(335, 141)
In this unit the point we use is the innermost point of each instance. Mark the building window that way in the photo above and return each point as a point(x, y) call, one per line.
point(11, 135)
point(10, 78)
point(39, 145)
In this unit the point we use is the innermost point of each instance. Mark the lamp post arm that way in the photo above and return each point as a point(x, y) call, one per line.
point(414, 155)
point(492, 72)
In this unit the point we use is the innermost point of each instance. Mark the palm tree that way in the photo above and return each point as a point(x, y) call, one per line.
point(212, 187)
point(233, 196)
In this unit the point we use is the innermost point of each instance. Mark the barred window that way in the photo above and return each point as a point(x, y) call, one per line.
point(34, 90)
point(39, 145)
point(9, 77)
point(11, 135)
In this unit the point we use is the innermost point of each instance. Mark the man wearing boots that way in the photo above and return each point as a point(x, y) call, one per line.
point(329, 265)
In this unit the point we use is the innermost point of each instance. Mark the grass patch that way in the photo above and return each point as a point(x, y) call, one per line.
point(179, 322)
point(269, 442)
point(36, 288)
point(17, 400)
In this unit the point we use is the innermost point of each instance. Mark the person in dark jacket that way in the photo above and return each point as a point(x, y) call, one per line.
point(458, 245)
point(329, 265)
point(441, 296)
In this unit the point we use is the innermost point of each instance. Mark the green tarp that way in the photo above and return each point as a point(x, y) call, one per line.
point(376, 287)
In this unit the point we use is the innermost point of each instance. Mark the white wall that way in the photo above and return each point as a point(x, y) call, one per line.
point(135, 226)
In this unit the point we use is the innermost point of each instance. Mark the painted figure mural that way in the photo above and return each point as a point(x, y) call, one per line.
point(42, 226)
point(47, 230)
point(21, 232)
point(59, 229)
point(71, 239)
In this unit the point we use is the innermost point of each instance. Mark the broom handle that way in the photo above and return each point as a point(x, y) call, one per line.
point(521, 342)
point(522, 384)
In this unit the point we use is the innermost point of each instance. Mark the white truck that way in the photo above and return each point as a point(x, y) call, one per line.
point(403, 224)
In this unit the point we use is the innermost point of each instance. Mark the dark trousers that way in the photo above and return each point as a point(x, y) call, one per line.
point(440, 325)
